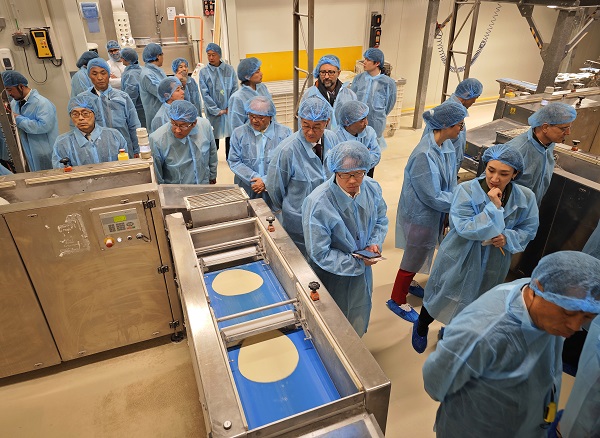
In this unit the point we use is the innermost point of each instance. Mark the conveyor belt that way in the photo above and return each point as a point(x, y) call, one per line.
point(307, 387)
point(270, 292)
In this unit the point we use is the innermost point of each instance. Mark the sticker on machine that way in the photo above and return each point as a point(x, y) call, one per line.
point(268, 357)
point(73, 236)
point(236, 282)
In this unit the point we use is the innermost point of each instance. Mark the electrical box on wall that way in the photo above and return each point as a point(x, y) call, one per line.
point(21, 39)
point(209, 7)
point(375, 31)
point(41, 43)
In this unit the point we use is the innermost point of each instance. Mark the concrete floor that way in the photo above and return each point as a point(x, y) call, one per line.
point(148, 390)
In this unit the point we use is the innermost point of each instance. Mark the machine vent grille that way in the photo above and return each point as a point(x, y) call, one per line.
point(211, 199)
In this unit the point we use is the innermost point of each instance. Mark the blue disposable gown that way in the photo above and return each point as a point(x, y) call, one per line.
point(345, 94)
point(114, 109)
point(294, 172)
point(581, 417)
point(367, 137)
point(335, 226)
point(494, 371)
point(38, 129)
point(191, 160)
point(379, 93)
point(429, 179)
point(592, 246)
point(130, 83)
point(251, 153)
point(192, 94)
point(161, 117)
point(4, 171)
point(237, 113)
point(80, 81)
point(103, 146)
point(463, 269)
point(217, 84)
point(539, 163)
point(149, 80)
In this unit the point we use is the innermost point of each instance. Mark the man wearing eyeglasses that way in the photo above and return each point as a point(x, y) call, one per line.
point(344, 215)
point(329, 87)
point(549, 125)
point(87, 142)
point(184, 150)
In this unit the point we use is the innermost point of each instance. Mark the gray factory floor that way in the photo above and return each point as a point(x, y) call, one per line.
point(148, 390)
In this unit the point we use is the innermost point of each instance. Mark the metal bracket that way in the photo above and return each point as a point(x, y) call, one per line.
point(162, 269)
point(527, 12)
point(174, 324)
point(151, 203)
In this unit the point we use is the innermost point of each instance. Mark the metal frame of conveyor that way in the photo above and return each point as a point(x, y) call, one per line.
point(241, 237)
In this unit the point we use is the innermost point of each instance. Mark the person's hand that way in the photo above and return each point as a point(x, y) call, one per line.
point(495, 196)
point(373, 248)
point(222, 112)
point(257, 185)
point(112, 76)
point(499, 241)
point(136, 155)
point(212, 181)
point(182, 78)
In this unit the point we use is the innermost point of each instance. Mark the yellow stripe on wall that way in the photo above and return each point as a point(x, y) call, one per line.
point(278, 66)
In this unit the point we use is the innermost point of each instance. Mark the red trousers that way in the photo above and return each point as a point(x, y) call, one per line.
point(400, 290)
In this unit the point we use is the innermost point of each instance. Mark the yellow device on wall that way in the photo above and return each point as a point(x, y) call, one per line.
point(41, 43)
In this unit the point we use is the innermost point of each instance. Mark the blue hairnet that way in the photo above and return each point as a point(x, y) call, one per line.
point(261, 106)
point(98, 62)
point(314, 109)
point(554, 113)
point(247, 67)
point(151, 52)
point(507, 155)
point(214, 47)
point(176, 62)
point(112, 44)
point(348, 156)
point(12, 78)
point(183, 111)
point(129, 55)
point(167, 87)
point(445, 115)
point(81, 101)
point(569, 279)
point(374, 55)
point(469, 88)
point(327, 59)
point(337, 60)
point(352, 111)
point(85, 58)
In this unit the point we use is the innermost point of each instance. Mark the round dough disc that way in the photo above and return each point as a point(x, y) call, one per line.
point(267, 357)
point(236, 282)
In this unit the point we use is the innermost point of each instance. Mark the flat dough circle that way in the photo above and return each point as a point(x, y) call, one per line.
point(267, 357)
point(236, 282)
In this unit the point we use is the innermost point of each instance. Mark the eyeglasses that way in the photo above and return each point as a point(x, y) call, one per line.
point(327, 72)
point(85, 114)
point(257, 117)
point(461, 124)
point(355, 175)
point(181, 127)
point(315, 128)
point(562, 128)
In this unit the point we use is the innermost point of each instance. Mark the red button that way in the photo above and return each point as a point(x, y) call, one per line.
point(109, 242)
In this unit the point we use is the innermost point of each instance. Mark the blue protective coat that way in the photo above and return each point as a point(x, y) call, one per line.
point(192, 94)
point(368, 137)
point(345, 94)
point(161, 117)
point(103, 145)
point(251, 153)
point(130, 84)
point(38, 129)
point(493, 371)
point(294, 172)
point(217, 85)
point(539, 163)
point(459, 142)
point(581, 417)
point(114, 109)
point(429, 179)
point(335, 226)
point(150, 78)
point(237, 113)
point(80, 81)
point(4, 171)
point(379, 93)
point(463, 268)
point(191, 160)
point(592, 246)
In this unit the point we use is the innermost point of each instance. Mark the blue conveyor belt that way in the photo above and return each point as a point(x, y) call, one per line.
point(307, 387)
point(269, 293)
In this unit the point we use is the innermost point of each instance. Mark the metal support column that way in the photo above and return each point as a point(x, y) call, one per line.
point(426, 52)
point(557, 50)
point(309, 47)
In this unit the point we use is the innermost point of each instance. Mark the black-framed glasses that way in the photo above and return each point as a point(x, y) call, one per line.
point(462, 125)
point(327, 72)
point(562, 128)
point(181, 126)
point(356, 175)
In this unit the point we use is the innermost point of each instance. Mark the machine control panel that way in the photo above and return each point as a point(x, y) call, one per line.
point(120, 221)
point(118, 227)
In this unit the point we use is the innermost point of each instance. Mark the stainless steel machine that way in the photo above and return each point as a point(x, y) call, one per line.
point(85, 265)
point(335, 389)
